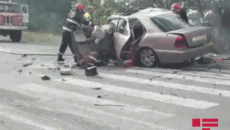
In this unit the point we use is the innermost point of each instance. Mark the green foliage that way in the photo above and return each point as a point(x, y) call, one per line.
point(48, 15)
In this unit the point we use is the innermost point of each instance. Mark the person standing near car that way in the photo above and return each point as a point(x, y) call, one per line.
point(74, 21)
point(176, 8)
point(89, 13)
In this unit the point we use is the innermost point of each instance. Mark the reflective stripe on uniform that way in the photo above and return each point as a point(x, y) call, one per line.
point(88, 16)
point(65, 28)
point(74, 22)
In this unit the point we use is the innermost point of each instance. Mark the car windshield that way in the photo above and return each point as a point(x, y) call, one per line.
point(170, 23)
point(9, 8)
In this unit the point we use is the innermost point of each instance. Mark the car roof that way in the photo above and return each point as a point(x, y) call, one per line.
point(148, 12)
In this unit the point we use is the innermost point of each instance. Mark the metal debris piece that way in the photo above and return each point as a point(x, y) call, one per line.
point(30, 72)
point(63, 80)
point(45, 77)
point(220, 94)
point(99, 96)
point(27, 64)
point(66, 71)
point(96, 88)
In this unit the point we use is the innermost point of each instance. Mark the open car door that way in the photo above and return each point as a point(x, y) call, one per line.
point(121, 36)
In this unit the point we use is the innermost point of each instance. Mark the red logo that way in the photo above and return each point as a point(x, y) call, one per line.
point(205, 123)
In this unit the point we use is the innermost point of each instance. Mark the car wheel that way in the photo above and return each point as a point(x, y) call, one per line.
point(147, 57)
point(16, 36)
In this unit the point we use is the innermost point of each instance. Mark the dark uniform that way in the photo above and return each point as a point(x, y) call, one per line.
point(183, 15)
point(75, 21)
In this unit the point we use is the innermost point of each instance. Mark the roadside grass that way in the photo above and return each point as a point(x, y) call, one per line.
point(41, 38)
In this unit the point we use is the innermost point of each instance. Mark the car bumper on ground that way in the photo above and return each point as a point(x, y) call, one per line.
point(177, 56)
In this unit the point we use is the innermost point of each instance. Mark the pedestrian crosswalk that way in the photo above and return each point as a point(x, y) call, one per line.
point(122, 114)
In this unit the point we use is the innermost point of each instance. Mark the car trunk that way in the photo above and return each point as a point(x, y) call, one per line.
point(195, 36)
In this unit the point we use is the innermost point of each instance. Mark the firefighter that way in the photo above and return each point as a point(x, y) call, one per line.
point(176, 8)
point(89, 13)
point(74, 21)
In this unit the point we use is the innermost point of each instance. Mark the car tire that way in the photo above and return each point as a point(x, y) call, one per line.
point(16, 36)
point(147, 58)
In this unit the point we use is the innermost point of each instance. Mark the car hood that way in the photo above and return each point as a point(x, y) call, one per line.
point(195, 36)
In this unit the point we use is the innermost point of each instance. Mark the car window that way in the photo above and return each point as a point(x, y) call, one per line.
point(169, 23)
point(115, 21)
point(136, 28)
point(123, 27)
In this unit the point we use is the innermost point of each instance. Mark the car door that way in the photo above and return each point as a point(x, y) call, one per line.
point(121, 36)
point(25, 12)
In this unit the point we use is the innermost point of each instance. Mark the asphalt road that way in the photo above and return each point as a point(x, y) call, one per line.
point(117, 99)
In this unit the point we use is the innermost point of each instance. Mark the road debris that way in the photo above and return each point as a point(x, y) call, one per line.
point(19, 71)
point(24, 56)
point(30, 72)
point(220, 94)
point(174, 94)
point(91, 70)
point(112, 105)
point(63, 80)
point(155, 77)
point(99, 96)
point(45, 77)
point(66, 71)
point(27, 64)
point(96, 88)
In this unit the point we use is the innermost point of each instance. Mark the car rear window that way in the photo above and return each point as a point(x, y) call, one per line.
point(169, 23)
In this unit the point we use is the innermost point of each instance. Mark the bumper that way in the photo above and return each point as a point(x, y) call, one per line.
point(13, 27)
point(177, 56)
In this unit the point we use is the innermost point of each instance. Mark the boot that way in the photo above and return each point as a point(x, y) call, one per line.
point(60, 58)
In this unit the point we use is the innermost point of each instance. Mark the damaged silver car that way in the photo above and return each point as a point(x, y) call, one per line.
point(151, 36)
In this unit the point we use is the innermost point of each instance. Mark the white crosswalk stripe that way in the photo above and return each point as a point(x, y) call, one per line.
point(82, 105)
point(198, 104)
point(155, 83)
point(46, 93)
point(181, 76)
